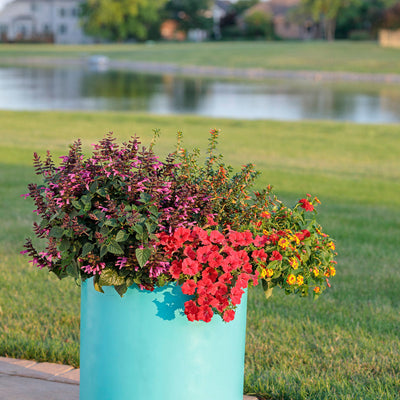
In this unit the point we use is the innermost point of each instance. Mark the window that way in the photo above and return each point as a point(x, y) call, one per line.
point(34, 7)
point(74, 12)
point(62, 12)
point(46, 28)
point(62, 29)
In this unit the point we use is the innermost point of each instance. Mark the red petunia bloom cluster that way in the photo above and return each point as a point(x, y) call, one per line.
point(212, 267)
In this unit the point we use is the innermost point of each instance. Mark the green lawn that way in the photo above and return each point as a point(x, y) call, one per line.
point(317, 56)
point(344, 346)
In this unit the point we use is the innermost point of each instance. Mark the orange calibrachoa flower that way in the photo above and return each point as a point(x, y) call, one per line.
point(291, 279)
point(266, 214)
point(317, 290)
point(283, 243)
point(300, 280)
point(331, 245)
point(267, 272)
point(294, 262)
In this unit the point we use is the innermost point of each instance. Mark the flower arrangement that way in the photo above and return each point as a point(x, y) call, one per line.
point(124, 217)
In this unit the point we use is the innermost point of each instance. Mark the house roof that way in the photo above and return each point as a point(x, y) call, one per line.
point(225, 5)
point(274, 7)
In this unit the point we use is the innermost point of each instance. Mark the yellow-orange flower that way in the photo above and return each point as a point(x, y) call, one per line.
point(317, 289)
point(283, 243)
point(268, 272)
point(332, 271)
point(331, 245)
point(294, 262)
point(295, 239)
point(316, 271)
point(300, 280)
point(291, 279)
point(266, 214)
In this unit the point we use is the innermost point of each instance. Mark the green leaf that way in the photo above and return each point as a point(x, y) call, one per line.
point(76, 204)
point(115, 248)
point(129, 281)
point(145, 198)
point(96, 284)
point(104, 230)
point(142, 255)
point(161, 281)
point(103, 250)
point(87, 248)
point(121, 236)
point(93, 187)
point(110, 277)
point(121, 289)
point(111, 222)
point(150, 227)
point(73, 270)
point(154, 211)
point(138, 228)
point(87, 202)
point(102, 192)
point(64, 245)
point(57, 232)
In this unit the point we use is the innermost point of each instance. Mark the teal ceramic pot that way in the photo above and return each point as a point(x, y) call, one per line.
point(142, 347)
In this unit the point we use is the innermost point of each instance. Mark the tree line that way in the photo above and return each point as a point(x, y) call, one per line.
point(140, 20)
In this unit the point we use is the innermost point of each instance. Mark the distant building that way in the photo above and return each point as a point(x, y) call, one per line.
point(220, 9)
point(284, 26)
point(42, 21)
point(389, 38)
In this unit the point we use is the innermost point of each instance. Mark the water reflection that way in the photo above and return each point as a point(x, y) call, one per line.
point(83, 89)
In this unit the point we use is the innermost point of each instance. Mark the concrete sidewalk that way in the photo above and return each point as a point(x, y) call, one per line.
point(29, 380)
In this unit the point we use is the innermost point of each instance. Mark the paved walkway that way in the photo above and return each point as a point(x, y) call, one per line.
point(29, 380)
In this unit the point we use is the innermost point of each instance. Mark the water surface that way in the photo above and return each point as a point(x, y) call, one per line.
point(77, 88)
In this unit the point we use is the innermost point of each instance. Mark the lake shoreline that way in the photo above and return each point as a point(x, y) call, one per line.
point(205, 71)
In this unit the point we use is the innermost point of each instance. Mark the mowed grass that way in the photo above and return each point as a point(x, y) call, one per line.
point(346, 345)
point(316, 56)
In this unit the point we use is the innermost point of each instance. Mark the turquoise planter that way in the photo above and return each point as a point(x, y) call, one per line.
point(142, 347)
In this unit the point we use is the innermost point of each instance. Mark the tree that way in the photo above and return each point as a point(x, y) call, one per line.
point(259, 25)
point(190, 14)
point(391, 17)
point(325, 12)
point(364, 15)
point(120, 19)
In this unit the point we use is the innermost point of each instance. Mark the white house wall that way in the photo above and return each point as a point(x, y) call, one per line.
point(58, 17)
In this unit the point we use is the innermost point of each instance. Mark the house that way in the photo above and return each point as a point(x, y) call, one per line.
point(220, 9)
point(42, 21)
point(285, 27)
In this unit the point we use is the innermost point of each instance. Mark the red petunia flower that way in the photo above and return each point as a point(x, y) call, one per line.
point(189, 287)
point(215, 259)
point(175, 269)
point(190, 267)
point(205, 313)
point(217, 237)
point(276, 256)
point(229, 315)
point(181, 235)
point(191, 310)
point(259, 255)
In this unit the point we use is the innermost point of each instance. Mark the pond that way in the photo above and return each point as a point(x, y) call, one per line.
point(79, 88)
